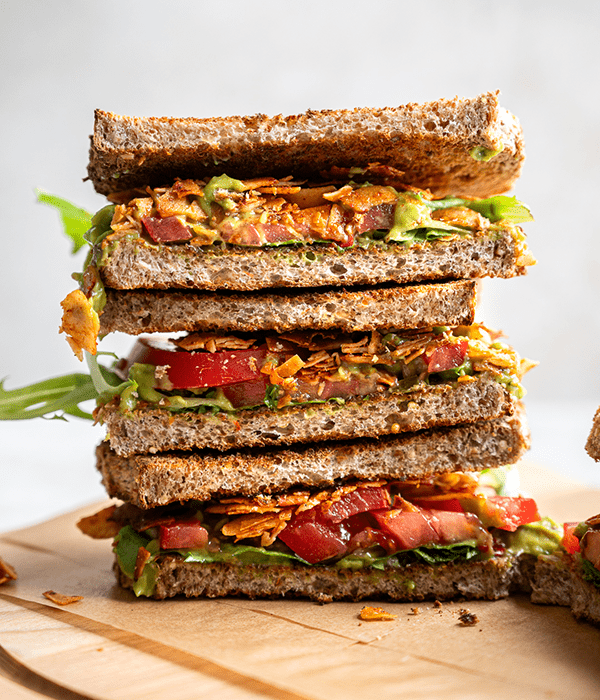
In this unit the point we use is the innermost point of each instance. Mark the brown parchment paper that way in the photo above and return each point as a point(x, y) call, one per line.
point(112, 645)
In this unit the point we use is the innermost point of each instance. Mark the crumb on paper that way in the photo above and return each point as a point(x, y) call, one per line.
point(370, 613)
point(437, 604)
point(466, 618)
point(415, 611)
point(61, 599)
point(7, 573)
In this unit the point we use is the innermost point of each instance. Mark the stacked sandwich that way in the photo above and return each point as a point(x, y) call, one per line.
point(316, 420)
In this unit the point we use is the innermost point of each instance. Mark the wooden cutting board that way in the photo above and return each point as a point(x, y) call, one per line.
point(112, 645)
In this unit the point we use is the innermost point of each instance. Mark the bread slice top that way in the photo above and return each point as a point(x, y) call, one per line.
point(363, 309)
point(438, 145)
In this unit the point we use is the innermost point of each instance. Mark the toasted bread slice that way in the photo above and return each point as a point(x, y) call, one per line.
point(439, 145)
point(592, 444)
point(558, 580)
point(398, 307)
point(152, 480)
point(135, 265)
point(156, 430)
point(488, 580)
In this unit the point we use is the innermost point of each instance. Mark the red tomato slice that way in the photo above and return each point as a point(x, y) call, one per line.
point(452, 504)
point(246, 393)
point(409, 528)
point(185, 534)
point(569, 541)
point(194, 370)
point(454, 527)
point(170, 229)
point(313, 538)
point(446, 356)
point(503, 512)
point(359, 501)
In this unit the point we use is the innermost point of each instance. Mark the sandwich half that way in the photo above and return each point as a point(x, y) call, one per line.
point(313, 201)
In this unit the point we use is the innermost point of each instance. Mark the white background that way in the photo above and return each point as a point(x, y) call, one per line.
point(60, 60)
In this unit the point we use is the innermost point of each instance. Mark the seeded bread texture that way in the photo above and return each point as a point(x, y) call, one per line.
point(431, 143)
point(489, 580)
point(153, 480)
point(137, 265)
point(592, 445)
point(420, 306)
point(558, 581)
point(155, 430)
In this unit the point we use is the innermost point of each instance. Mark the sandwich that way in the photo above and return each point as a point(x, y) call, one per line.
point(571, 575)
point(319, 200)
point(313, 419)
point(592, 444)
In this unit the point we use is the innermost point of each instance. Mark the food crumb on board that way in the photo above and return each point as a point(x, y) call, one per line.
point(370, 613)
point(61, 599)
point(7, 573)
point(466, 618)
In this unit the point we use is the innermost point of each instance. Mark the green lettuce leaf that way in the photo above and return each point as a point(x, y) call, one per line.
point(590, 573)
point(127, 543)
point(76, 221)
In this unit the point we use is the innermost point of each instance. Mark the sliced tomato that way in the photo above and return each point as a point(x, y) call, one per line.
point(453, 527)
point(185, 534)
point(313, 538)
point(200, 369)
point(570, 541)
point(503, 512)
point(359, 501)
point(409, 528)
point(167, 230)
point(247, 393)
point(434, 503)
point(446, 357)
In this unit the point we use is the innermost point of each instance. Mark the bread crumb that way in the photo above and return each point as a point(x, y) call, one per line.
point(370, 613)
point(61, 599)
point(437, 604)
point(415, 611)
point(466, 618)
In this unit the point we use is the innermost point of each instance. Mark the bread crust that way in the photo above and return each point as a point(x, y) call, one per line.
point(430, 142)
point(489, 580)
point(155, 430)
point(592, 444)
point(558, 581)
point(419, 306)
point(137, 265)
point(153, 480)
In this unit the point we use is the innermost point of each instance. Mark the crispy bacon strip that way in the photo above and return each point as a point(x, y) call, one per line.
point(370, 613)
point(61, 599)
point(100, 525)
point(7, 573)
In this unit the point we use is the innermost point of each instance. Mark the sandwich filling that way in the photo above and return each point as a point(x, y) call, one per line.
point(267, 212)
point(210, 372)
point(582, 542)
point(366, 525)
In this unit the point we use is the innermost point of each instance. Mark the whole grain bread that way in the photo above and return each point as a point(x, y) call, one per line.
point(489, 580)
point(432, 143)
point(154, 430)
point(558, 581)
point(592, 444)
point(137, 265)
point(152, 480)
point(419, 306)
